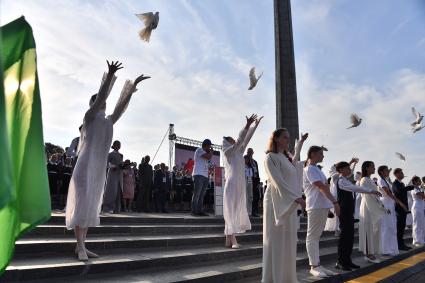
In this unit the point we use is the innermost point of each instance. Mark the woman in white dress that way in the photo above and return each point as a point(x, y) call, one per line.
point(389, 221)
point(418, 231)
point(371, 212)
point(236, 219)
point(281, 199)
point(87, 183)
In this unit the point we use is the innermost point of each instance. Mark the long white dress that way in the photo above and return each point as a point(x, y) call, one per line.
point(235, 213)
point(87, 183)
point(280, 219)
point(418, 231)
point(389, 221)
point(371, 212)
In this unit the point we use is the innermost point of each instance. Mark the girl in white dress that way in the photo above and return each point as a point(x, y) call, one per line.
point(418, 231)
point(371, 212)
point(236, 219)
point(281, 199)
point(86, 186)
point(389, 221)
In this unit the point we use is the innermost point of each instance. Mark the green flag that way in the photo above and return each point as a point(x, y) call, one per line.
point(29, 199)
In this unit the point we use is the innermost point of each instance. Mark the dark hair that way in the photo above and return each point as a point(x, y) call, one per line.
point(93, 98)
point(206, 142)
point(341, 165)
point(311, 150)
point(423, 179)
point(397, 170)
point(116, 142)
point(415, 179)
point(272, 146)
point(381, 170)
point(366, 165)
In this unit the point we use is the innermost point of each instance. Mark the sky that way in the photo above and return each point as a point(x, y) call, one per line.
point(364, 57)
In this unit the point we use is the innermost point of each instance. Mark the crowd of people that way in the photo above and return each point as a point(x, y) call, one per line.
point(380, 206)
point(104, 181)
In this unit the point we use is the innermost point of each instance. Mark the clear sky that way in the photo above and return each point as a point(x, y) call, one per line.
point(359, 56)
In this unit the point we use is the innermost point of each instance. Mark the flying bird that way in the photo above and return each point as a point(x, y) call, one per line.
point(417, 127)
point(355, 121)
point(151, 21)
point(253, 79)
point(418, 117)
point(400, 156)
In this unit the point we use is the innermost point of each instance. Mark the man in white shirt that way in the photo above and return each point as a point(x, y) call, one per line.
point(200, 176)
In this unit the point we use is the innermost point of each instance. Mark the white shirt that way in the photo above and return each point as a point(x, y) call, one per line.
point(201, 164)
point(315, 199)
point(346, 185)
point(249, 173)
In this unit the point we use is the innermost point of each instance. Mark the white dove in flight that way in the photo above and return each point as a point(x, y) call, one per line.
point(253, 79)
point(400, 156)
point(355, 120)
point(151, 21)
point(417, 127)
point(418, 117)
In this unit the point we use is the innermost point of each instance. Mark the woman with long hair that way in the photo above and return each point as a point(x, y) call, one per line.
point(319, 200)
point(281, 199)
point(389, 221)
point(85, 192)
point(371, 213)
point(236, 219)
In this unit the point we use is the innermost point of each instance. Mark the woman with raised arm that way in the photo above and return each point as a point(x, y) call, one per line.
point(234, 195)
point(86, 186)
point(281, 199)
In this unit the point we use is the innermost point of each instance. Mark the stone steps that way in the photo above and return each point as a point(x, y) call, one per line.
point(148, 248)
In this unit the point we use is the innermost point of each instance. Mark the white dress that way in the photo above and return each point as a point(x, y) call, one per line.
point(87, 183)
point(418, 216)
point(371, 212)
point(389, 221)
point(235, 213)
point(409, 218)
point(280, 219)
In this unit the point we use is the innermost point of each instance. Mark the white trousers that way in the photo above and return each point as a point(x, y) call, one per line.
point(316, 221)
point(249, 197)
point(418, 232)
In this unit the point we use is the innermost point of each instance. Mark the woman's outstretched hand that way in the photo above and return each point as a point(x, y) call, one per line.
point(141, 78)
point(114, 66)
point(250, 120)
point(258, 120)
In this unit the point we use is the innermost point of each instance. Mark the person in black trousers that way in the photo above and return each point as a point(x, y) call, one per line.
point(162, 185)
point(144, 194)
point(345, 190)
point(400, 191)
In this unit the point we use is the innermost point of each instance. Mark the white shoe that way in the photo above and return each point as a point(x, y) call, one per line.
point(317, 272)
point(418, 245)
point(236, 246)
point(372, 260)
point(327, 271)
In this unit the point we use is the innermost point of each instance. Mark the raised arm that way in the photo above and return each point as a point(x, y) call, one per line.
point(104, 90)
point(126, 93)
point(250, 133)
point(298, 147)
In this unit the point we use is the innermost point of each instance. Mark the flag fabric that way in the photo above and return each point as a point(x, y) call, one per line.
point(28, 199)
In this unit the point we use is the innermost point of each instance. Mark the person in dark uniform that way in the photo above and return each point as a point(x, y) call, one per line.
point(161, 185)
point(400, 191)
point(144, 196)
point(255, 183)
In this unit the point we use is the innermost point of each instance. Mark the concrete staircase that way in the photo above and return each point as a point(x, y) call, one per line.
point(152, 248)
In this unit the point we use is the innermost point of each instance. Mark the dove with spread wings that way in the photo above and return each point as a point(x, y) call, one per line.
point(151, 21)
point(418, 117)
point(253, 79)
point(400, 156)
point(355, 120)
